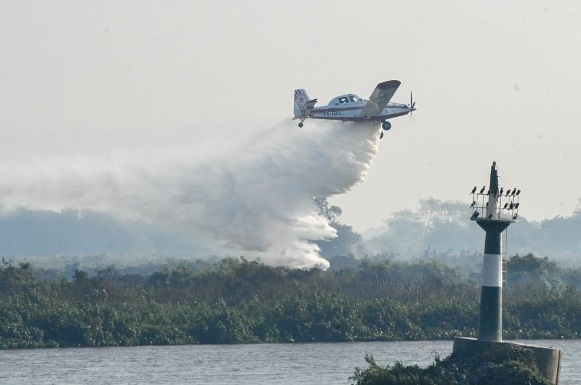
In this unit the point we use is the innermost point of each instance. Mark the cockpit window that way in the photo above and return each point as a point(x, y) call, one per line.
point(353, 98)
point(343, 100)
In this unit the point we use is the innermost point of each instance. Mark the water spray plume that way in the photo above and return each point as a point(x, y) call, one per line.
point(256, 201)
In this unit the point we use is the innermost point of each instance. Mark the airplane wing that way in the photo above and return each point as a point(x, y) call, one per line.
point(379, 98)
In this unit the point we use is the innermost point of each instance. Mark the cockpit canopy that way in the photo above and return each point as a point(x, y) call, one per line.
point(345, 99)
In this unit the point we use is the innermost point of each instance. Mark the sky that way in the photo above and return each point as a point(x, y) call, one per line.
point(493, 81)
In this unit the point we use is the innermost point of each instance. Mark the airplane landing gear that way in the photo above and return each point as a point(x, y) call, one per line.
point(301, 124)
point(386, 125)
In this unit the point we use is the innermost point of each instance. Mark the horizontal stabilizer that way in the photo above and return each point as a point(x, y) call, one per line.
point(311, 104)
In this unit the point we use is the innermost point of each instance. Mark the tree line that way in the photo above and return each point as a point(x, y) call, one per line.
point(242, 301)
point(442, 228)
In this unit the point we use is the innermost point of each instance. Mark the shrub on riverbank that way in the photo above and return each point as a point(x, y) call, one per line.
point(507, 364)
point(239, 301)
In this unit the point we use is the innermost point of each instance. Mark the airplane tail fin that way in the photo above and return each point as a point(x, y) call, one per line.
point(303, 104)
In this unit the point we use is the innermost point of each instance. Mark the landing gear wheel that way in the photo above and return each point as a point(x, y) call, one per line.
point(301, 124)
point(386, 125)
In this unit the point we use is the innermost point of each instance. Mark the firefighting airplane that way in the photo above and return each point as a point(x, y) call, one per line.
point(352, 108)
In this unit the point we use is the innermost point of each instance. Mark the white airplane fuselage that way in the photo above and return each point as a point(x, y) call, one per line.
point(351, 111)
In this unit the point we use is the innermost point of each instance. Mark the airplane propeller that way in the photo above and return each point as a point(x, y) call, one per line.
point(412, 105)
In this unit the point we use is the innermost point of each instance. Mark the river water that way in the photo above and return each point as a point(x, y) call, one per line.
point(316, 363)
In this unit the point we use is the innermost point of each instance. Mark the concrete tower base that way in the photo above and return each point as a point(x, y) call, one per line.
point(548, 359)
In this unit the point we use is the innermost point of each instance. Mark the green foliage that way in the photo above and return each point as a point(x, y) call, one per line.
point(329, 212)
point(396, 374)
point(241, 301)
point(347, 241)
point(506, 364)
point(531, 264)
point(533, 270)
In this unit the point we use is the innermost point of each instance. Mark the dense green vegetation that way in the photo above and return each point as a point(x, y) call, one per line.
point(506, 364)
point(239, 301)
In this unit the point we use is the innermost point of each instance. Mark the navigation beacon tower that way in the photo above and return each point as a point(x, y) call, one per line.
point(495, 218)
point(494, 209)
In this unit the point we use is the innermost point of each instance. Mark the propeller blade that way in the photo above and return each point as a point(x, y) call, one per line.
point(412, 105)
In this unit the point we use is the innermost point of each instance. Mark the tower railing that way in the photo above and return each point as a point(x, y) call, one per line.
point(507, 206)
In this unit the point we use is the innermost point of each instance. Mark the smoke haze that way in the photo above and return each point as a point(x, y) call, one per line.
point(256, 200)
